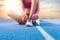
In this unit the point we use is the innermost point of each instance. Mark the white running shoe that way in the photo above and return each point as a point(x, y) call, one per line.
point(36, 22)
point(29, 23)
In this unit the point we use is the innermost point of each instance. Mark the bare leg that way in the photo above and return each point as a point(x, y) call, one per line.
point(18, 18)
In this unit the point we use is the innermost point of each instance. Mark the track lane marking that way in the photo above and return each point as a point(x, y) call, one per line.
point(45, 34)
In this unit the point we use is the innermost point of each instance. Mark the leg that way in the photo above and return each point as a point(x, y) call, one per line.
point(18, 18)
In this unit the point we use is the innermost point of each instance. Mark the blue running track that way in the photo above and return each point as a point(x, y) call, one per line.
point(49, 29)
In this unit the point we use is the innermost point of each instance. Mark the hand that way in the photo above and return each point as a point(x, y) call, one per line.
point(34, 16)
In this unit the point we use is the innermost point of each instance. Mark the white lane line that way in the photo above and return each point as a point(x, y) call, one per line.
point(45, 34)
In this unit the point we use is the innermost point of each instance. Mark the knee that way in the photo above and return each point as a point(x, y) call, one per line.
point(22, 20)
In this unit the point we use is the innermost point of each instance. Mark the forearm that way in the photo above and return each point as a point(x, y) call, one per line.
point(33, 8)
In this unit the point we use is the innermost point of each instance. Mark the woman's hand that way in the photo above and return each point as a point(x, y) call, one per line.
point(34, 16)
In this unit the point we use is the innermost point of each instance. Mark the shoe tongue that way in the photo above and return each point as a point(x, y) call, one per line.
point(29, 19)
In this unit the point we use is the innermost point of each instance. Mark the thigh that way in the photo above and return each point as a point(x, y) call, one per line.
point(20, 19)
